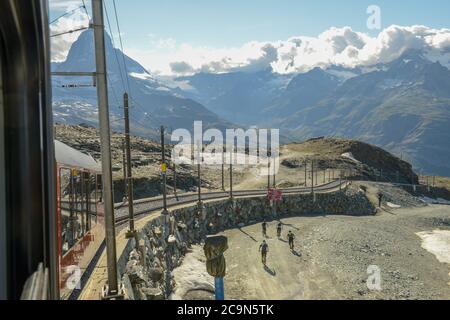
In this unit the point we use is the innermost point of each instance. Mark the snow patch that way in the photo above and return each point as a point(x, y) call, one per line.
point(349, 155)
point(391, 84)
point(428, 200)
point(142, 76)
point(437, 242)
point(343, 75)
point(393, 205)
point(192, 275)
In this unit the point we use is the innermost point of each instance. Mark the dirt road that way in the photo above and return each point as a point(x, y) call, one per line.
point(333, 254)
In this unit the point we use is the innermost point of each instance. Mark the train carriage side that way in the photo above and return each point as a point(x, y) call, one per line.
point(80, 214)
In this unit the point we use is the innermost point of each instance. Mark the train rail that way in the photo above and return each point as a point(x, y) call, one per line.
point(145, 206)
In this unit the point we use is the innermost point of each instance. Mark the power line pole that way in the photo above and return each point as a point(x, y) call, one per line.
point(124, 168)
point(268, 174)
point(165, 215)
point(163, 171)
point(316, 180)
point(306, 173)
point(131, 232)
point(175, 180)
point(199, 175)
point(231, 175)
point(223, 174)
point(111, 291)
point(274, 176)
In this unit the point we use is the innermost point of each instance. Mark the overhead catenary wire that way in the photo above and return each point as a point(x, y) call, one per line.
point(85, 9)
point(68, 13)
point(134, 102)
point(125, 84)
point(121, 46)
point(114, 45)
point(68, 32)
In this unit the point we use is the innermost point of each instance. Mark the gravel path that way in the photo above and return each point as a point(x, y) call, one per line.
point(333, 255)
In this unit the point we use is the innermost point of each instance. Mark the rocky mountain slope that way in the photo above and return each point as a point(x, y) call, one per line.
point(360, 161)
point(333, 157)
point(405, 109)
point(402, 106)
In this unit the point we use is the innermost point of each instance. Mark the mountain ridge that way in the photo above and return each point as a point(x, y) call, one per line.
point(403, 106)
point(152, 103)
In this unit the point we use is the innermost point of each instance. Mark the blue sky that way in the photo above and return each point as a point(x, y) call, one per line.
point(234, 22)
point(150, 26)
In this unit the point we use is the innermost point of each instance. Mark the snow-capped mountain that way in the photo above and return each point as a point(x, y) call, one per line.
point(153, 103)
point(403, 105)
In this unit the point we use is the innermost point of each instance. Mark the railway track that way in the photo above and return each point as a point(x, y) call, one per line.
point(145, 206)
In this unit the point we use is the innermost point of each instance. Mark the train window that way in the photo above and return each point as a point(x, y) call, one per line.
point(2, 194)
point(78, 205)
point(66, 210)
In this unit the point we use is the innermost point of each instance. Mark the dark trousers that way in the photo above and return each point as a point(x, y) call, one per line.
point(264, 257)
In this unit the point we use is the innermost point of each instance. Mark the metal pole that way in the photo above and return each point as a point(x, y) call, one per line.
point(219, 289)
point(199, 175)
point(105, 141)
point(163, 164)
point(231, 175)
point(316, 180)
point(165, 215)
point(124, 168)
point(131, 232)
point(223, 175)
point(306, 173)
point(312, 176)
point(268, 174)
point(175, 180)
point(274, 176)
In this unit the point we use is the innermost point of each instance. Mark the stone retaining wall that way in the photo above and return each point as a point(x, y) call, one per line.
point(145, 272)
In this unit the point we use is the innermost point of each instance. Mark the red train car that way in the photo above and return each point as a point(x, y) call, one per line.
point(80, 215)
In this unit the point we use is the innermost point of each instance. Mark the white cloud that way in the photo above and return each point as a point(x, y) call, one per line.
point(60, 45)
point(336, 46)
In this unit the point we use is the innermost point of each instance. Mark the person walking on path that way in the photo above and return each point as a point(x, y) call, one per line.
point(279, 229)
point(264, 248)
point(291, 238)
point(380, 199)
point(264, 229)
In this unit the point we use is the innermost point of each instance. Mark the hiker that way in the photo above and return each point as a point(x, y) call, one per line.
point(279, 228)
point(291, 238)
point(264, 229)
point(264, 248)
point(380, 199)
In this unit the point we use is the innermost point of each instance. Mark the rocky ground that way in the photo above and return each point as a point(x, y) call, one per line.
point(332, 157)
point(335, 253)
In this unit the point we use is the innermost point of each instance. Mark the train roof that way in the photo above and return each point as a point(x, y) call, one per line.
point(68, 156)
